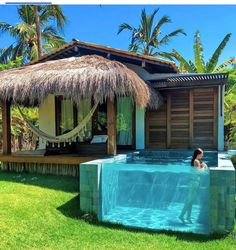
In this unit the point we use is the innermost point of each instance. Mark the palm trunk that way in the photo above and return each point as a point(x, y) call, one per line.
point(37, 22)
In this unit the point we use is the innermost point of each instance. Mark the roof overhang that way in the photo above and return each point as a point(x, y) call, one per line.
point(85, 77)
point(78, 48)
point(189, 81)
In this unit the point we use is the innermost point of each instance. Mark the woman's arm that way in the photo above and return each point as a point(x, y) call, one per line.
point(204, 165)
point(198, 165)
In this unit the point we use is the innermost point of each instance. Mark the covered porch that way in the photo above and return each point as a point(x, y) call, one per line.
point(92, 78)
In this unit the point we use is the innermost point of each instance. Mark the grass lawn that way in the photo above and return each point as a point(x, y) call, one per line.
point(42, 212)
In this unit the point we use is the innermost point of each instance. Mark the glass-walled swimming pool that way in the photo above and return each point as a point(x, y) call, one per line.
point(156, 191)
point(159, 190)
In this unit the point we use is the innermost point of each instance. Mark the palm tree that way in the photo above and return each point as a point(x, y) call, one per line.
point(199, 65)
point(146, 38)
point(25, 34)
point(38, 32)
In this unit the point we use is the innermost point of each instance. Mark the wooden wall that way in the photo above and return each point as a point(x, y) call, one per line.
point(187, 119)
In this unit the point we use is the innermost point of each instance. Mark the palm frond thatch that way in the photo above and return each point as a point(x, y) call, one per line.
point(88, 76)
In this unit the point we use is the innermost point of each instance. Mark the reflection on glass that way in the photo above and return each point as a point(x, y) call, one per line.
point(67, 120)
point(101, 119)
point(124, 121)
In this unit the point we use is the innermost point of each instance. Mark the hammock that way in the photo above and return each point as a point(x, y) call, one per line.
point(78, 131)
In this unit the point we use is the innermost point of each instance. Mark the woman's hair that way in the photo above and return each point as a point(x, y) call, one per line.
point(197, 152)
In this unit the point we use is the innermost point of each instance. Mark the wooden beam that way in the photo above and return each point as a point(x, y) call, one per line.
point(168, 120)
point(191, 118)
point(111, 127)
point(6, 127)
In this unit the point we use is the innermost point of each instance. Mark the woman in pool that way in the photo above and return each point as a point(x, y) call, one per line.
point(196, 165)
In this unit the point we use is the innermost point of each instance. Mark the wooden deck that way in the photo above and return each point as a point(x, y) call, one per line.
point(38, 157)
point(36, 162)
point(57, 159)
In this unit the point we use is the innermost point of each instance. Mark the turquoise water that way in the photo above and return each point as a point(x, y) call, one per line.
point(150, 192)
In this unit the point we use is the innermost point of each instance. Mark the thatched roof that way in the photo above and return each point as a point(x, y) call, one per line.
point(89, 76)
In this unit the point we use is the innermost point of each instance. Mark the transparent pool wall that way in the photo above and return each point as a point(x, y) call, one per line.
point(149, 189)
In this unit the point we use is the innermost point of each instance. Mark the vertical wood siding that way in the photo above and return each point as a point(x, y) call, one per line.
point(187, 119)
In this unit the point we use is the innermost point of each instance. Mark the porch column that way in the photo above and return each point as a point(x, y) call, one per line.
point(6, 127)
point(221, 90)
point(111, 127)
point(140, 128)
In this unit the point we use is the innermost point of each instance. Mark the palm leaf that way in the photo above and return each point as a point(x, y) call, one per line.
point(144, 26)
point(225, 64)
point(215, 57)
point(33, 52)
point(53, 40)
point(6, 54)
point(149, 24)
point(192, 65)
point(198, 53)
point(124, 26)
point(165, 19)
point(167, 37)
point(53, 12)
point(167, 55)
point(26, 13)
point(184, 63)
point(182, 68)
point(18, 50)
point(49, 30)
point(156, 30)
point(4, 27)
point(134, 48)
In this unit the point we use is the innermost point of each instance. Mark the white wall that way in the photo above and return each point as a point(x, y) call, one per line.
point(47, 119)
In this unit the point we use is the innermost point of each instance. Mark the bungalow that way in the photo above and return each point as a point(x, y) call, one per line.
point(94, 100)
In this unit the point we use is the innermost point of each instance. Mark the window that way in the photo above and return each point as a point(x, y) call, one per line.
point(124, 121)
point(100, 120)
point(68, 116)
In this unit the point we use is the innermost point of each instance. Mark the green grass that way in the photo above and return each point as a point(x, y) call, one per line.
point(43, 213)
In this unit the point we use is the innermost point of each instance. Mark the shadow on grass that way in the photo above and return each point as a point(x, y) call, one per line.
point(71, 209)
point(56, 182)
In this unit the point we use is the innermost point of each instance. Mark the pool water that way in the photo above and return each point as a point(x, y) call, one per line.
point(150, 191)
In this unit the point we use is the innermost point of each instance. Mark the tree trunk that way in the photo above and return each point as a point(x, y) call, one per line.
point(37, 22)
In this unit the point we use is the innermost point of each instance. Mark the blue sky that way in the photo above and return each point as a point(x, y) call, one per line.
point(99, 24)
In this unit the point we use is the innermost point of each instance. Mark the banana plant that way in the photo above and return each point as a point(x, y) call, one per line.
point(199, 65)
